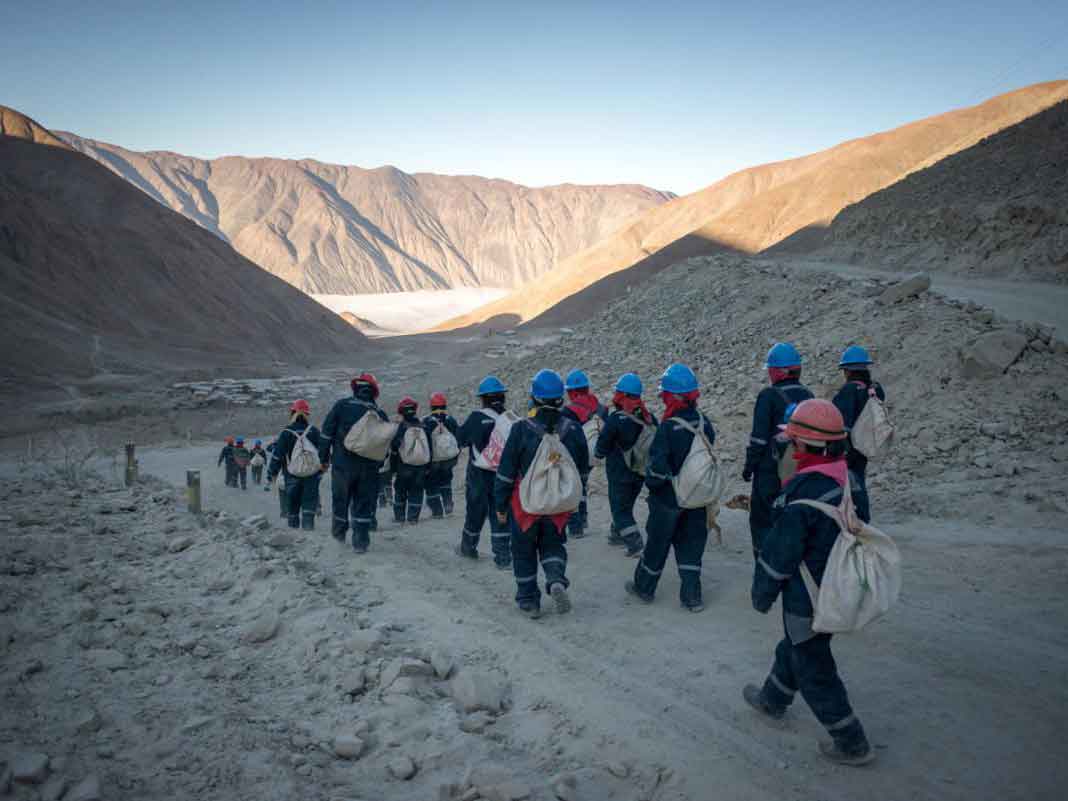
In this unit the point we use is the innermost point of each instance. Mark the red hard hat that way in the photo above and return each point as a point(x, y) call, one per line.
point(816, 422)
point(300, 405)
point(366, 378)
point(438, 399)
point(406, 403)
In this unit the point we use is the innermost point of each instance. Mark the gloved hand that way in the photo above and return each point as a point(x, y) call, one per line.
point(502, 517)
point(747, 474)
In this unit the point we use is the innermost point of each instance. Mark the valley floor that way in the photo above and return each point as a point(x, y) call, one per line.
point(962, 688)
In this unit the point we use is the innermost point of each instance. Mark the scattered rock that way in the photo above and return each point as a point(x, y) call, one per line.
point(508, 791)
point(264, 628)
point(282, 540)
point(347, 746)
point(258, 522)
point(89, 722)
point(180, 544)
point(474, 690)
point(354, 682)
point(910, 287)
point(408, 668)
point(30, 767)
point(364, 641)
point(88, 789)
point(442, 663)
point(107, 658)
point(196, 724)
point(53, 789)
point(993, 353)
point(618, 769)
point(402, 768)
point(476, 722)
point(565, 787)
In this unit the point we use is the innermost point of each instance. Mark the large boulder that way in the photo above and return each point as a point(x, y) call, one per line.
point(911, 286)
point(993, 353)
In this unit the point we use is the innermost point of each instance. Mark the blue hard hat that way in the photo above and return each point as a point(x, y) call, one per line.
point(258, 442)
point(783, 354)
point(240, 440)
point(491, 385)
point(679, 379)
point(629, 384)
point(577, 379)
point(547, 385)
point(855, 355)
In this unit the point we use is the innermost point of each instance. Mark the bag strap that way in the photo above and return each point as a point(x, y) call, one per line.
point(697, 430)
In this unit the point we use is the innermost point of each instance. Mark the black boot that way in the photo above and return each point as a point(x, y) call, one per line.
point(755, 698)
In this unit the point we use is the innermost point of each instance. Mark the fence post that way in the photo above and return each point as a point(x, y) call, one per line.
point(192, 484)
point(131, 465)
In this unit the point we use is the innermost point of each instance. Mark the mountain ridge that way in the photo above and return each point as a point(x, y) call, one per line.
point(345, 229)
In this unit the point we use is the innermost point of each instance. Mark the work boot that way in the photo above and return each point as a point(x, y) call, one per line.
point(559, 594)
point(530, 610)
point(465, 552)
point(855, 756)
point(576, 532)
point(696, 607)
point(338, 535)
point(755, 698)
point(641, 596)
point(502, 564)
point(634, 549)
point(614, 538)
point(307, 522)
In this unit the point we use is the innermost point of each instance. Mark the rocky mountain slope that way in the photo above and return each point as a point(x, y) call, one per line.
point(1002, 438)
point(98, 278)
point(998, 208)
point(754, 209)
point(332, 229)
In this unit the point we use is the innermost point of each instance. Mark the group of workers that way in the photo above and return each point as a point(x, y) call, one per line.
point(237, 459)
point(798, 449)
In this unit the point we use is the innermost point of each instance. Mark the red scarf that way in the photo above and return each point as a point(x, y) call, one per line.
point(833, 467)
point(777, 374)
point(673, 404)
point(631, 405)
point(583, 403)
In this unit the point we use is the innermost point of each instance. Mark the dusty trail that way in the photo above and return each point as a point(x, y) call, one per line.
point(1027, 301)
point(938, 684)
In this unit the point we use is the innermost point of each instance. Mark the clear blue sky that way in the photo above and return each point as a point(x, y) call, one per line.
point(670, 94)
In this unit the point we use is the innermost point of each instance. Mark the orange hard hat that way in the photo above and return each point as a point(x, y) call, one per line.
point(438, 399)
point(229, 440)
point(407, 403)
point(816, 422)
point(300, 405)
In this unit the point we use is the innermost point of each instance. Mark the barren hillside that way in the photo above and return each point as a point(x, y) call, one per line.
point(756, 208)
point(997, 208)
point(97, 277)
point(330, 229)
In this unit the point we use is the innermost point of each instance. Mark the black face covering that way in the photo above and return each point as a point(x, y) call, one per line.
point(364, 392)
point(409, 415)
point(548, 412)
point(495, 402)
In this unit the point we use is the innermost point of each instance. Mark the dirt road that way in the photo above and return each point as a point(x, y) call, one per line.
point(1028, 301)
point(962, 689)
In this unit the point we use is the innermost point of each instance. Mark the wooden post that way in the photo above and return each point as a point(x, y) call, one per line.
point(192, 484)
point(131, 465)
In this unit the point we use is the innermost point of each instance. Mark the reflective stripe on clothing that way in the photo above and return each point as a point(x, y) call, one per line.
point(780, 686)
point(775, 574)
point(650, 572)
point(691, 568)
point(848, 720)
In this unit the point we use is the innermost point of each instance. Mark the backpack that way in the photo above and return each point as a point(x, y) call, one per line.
point(862, 579)
point(258, 460)
point(592, 429)
point(371, 436)
point(303, 460)
point(446, 448)
point(241, 457)
point(552, 485)
point(489, 458)
point(700, 481)
point(636, 457)
point(872, 433)
point(414, 448)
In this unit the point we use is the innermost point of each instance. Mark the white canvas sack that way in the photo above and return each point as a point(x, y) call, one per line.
point(873, 432)
point(415, 447)
point(636, 456)
point(489, 458)
point(258, 460)
point(304, 458)
point(370, 436)
point(552, 485)
point(445, 445)
point(862, 579)
point(700, 481)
